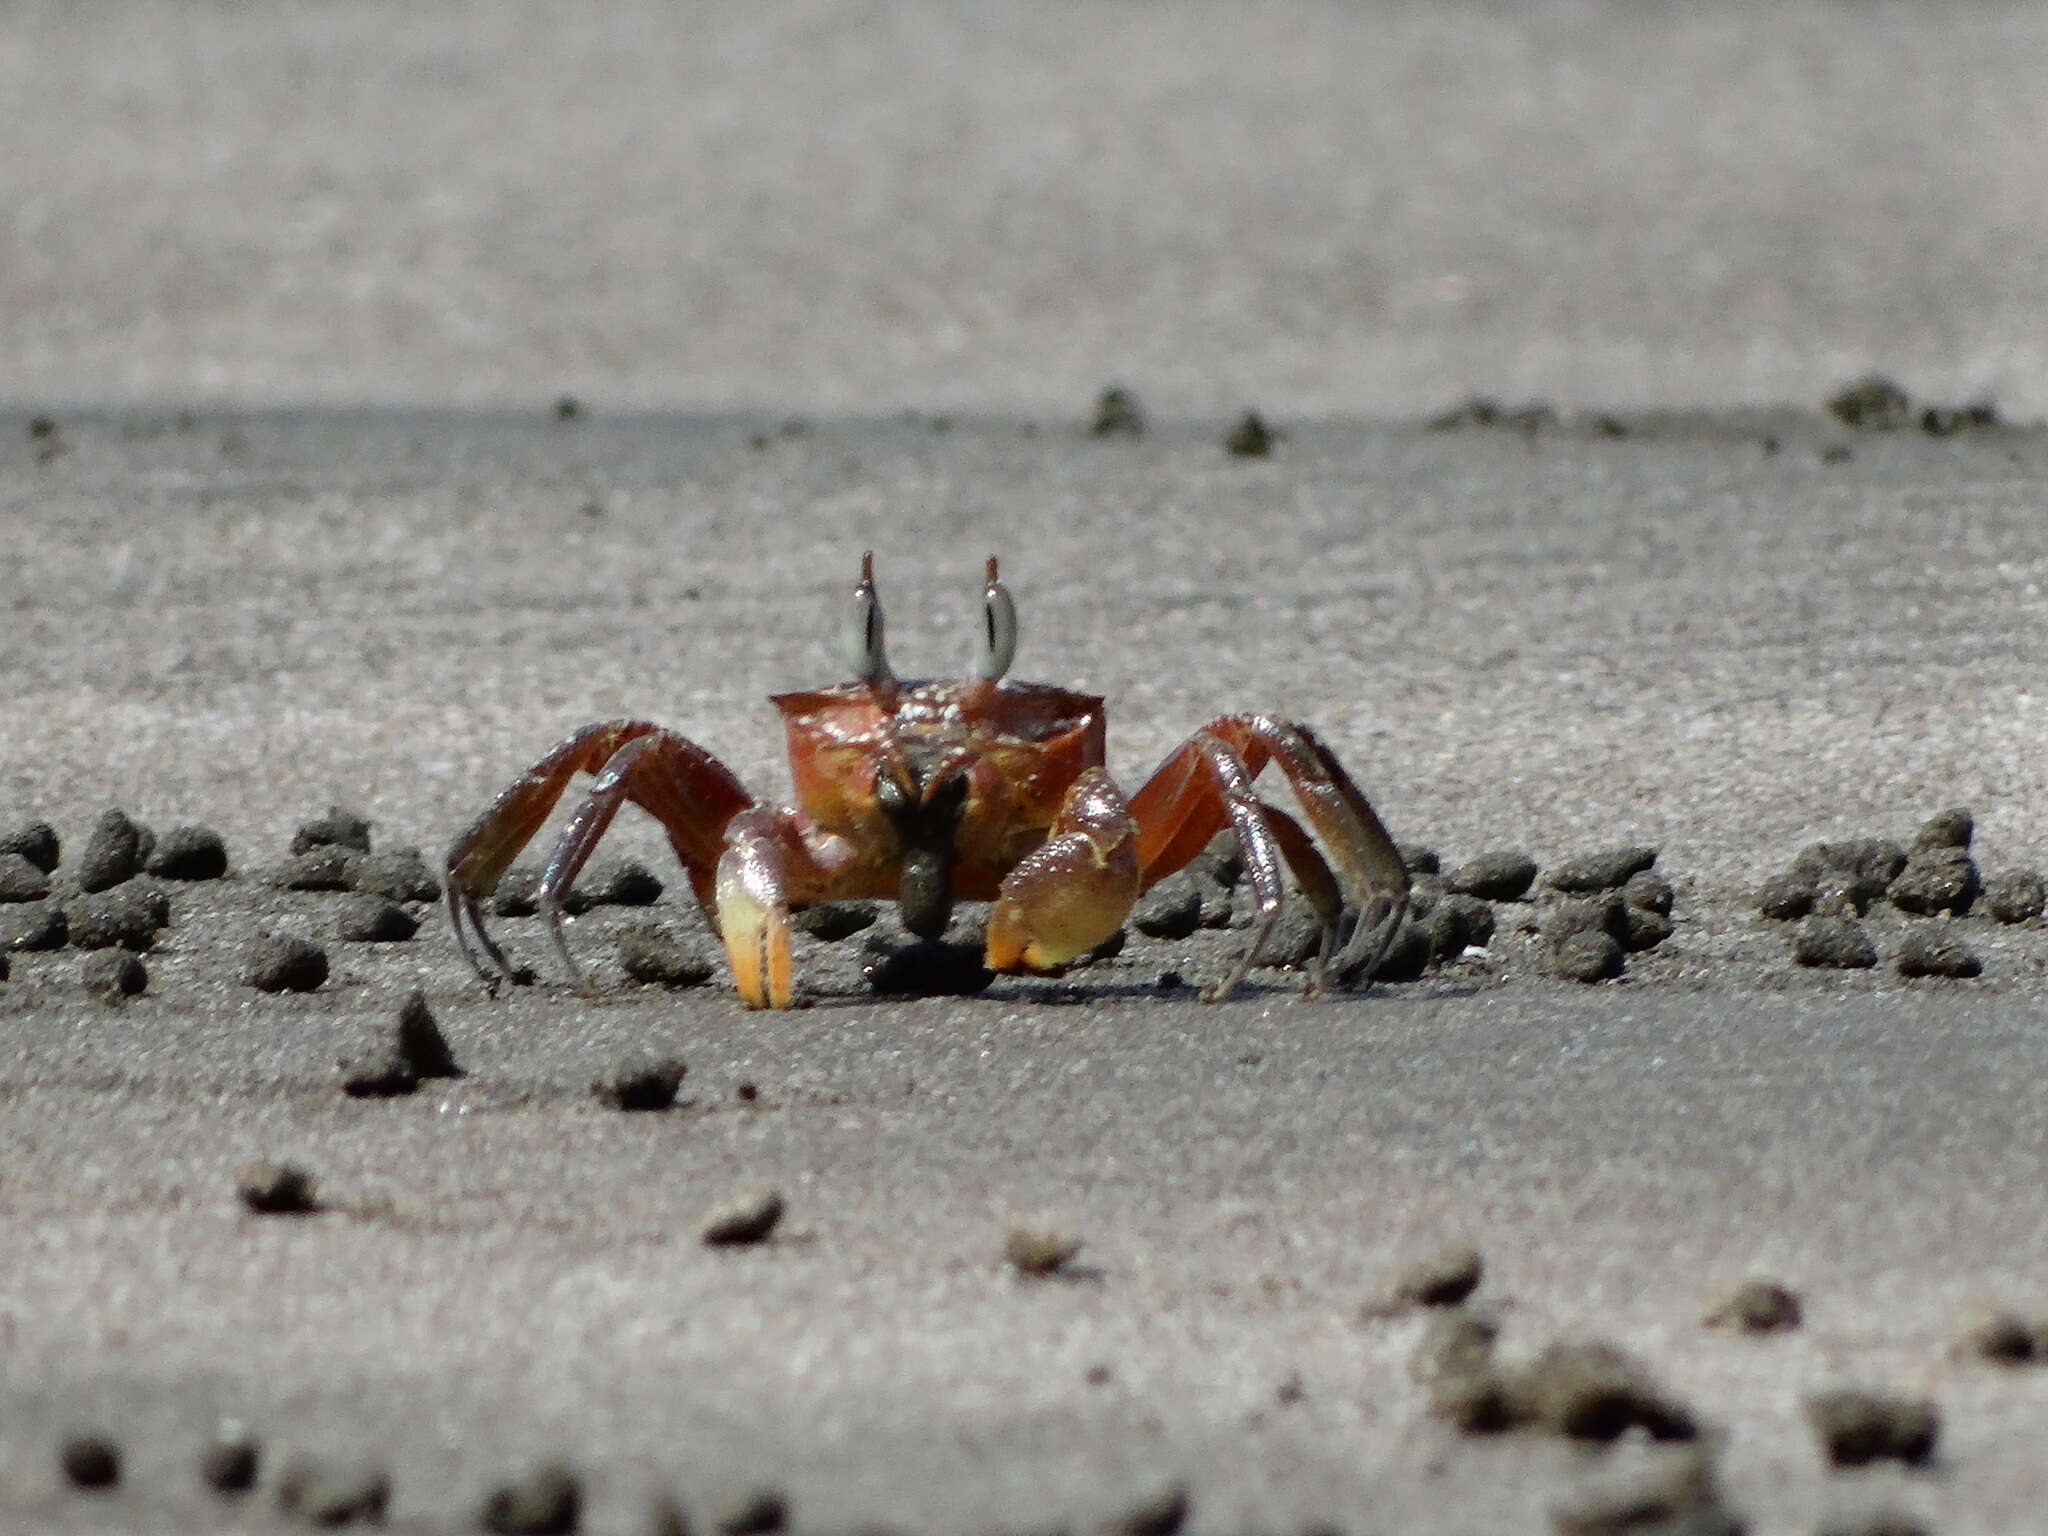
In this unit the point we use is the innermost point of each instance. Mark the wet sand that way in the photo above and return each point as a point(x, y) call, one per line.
point(293, 293)
point(1558, 640)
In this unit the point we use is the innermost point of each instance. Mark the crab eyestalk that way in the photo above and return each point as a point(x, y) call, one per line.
point(865, 653)
point(996, 646)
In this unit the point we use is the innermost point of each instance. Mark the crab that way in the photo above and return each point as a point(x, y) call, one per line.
point(930, 792)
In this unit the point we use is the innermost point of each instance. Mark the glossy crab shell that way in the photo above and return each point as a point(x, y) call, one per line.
point(1019, 747)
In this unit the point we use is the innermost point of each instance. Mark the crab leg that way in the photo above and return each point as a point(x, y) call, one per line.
point(1194, 793)
point(637, 771)
point(1317, 885)
point(1075, 889)
point(685, 788)
point(1356, 837)
point(1214, 777)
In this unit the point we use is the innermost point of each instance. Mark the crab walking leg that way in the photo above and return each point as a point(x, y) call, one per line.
point(1075, 889)
point(1318, 886)
point(753, 888)
point(478, 859)
point(1178, 812)
point(681, 785)
point(695, 797)
point(1215, 779)
point(1359, 840)
point(688, 790)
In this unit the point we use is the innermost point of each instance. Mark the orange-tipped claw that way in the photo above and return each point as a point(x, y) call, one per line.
point(753, 919)
point(1075, 890)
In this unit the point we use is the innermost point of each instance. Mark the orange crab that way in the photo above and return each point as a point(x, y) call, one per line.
point(932, 792)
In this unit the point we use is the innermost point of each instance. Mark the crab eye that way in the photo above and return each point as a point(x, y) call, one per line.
point(996, 647)
point(863, 635)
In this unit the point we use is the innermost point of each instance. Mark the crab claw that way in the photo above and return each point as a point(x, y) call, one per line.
point(1075, 890)
point(753, 918)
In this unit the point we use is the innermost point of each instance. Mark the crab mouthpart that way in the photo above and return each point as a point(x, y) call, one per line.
point(924, 892)
point(926, 816)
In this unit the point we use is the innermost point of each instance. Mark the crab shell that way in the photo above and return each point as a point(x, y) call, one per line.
point(938, 788)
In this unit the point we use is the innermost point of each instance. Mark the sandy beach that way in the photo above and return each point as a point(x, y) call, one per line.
point(297, 518)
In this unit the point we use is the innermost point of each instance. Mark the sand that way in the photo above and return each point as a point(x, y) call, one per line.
point(307, 530)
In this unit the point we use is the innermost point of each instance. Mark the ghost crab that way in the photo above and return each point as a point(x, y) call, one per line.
point(931, 792)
